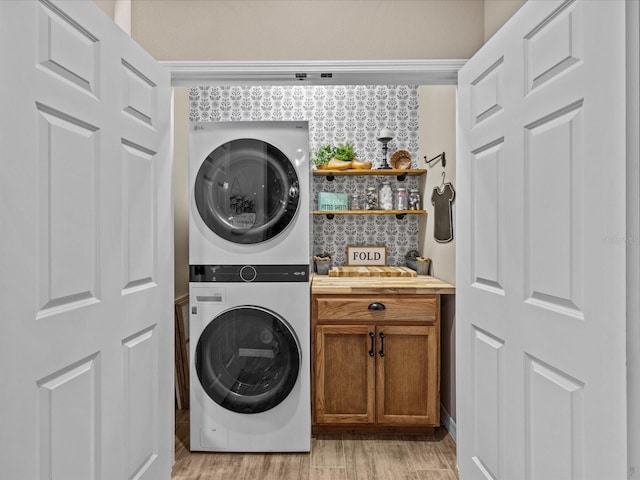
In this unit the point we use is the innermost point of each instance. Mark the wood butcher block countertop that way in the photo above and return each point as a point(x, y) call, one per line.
point(372, 272)
point(422, 284)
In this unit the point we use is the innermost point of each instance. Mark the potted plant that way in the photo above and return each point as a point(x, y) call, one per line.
point(419, 264)
point(323, 263)
point(342, 157)
point(322, 156)
point(345, 152)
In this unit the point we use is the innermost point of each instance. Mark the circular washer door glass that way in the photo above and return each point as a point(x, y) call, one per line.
point(247, 359)
point(247, 191)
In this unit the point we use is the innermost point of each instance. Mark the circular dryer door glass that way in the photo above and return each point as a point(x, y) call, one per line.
point(247, 191)
point(247, 360)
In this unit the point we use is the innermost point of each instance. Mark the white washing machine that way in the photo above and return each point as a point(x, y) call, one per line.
point(249, 193)
point(250, 362)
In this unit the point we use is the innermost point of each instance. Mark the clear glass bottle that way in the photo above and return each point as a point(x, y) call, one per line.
point(414, 199)
point(371, 199)
point(385, 196)
point(401, 198)
point(355, 201)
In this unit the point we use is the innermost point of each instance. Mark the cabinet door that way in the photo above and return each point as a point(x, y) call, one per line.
point(344, 373)
point(407, 377)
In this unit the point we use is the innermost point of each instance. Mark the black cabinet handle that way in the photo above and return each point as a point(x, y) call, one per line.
point(372, 352)
point(377, 306)
point(382, 344)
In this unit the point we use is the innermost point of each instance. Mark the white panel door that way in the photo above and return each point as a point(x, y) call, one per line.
point(541, 255)
point(86, 269)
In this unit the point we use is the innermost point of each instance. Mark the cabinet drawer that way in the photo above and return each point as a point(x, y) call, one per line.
point(410, 308)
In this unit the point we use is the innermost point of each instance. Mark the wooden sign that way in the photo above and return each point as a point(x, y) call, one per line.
point(366, 255)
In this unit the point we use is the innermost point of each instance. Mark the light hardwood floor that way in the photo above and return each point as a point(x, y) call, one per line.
point(336, 457)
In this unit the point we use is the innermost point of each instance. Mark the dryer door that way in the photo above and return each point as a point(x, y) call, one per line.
point(247, 191)
point(248, 359)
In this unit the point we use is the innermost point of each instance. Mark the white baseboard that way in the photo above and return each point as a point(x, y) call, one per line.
point(448, 422)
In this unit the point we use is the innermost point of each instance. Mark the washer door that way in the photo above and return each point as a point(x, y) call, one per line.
point(247, 191)
point(247, 359)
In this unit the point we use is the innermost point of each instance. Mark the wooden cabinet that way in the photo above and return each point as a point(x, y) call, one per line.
point(376, 363)
point(407, 375)
point(344, 374)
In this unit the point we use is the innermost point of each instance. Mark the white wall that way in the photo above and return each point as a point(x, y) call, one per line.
point(308, 29)
point(117, 10)
point(437, 134)
point(181, 190)
point(496, 13)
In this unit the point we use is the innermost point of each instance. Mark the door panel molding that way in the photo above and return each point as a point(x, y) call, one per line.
point(562, 454)
point(70, 449)
point(488, 356)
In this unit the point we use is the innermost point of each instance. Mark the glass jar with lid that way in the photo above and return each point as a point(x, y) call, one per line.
point(371, 199)
point(385, 196)
point(414, 199)
point(401, 198)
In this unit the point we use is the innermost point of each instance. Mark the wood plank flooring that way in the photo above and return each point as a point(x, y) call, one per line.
point(335, 457)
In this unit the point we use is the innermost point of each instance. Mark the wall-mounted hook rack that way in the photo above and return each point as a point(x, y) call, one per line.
point(444, 160)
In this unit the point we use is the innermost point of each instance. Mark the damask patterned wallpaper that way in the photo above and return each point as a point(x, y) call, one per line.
point(336, 114)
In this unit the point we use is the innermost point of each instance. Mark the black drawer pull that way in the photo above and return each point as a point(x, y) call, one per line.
point(381, 344)
point(372, 352)
point(377, 306)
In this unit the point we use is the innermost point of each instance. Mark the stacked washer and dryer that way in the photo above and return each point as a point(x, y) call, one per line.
point(249, 257)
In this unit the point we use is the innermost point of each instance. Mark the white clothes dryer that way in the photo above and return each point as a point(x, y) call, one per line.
point(249, 193)
point(250, 365)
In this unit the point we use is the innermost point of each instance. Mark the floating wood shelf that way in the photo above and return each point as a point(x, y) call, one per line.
point(394, 172)
point(398, 213)
point(368, 212)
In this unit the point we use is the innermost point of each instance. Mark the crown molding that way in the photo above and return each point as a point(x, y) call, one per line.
point(342, 72)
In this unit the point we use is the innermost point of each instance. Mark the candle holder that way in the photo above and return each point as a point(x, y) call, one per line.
point(384, 138)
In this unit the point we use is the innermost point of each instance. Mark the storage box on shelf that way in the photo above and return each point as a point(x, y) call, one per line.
point(330, 201)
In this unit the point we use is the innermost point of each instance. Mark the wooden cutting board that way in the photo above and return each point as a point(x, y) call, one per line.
point(372, 272)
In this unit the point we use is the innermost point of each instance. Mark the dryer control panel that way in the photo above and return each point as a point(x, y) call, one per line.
point(248, 273)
